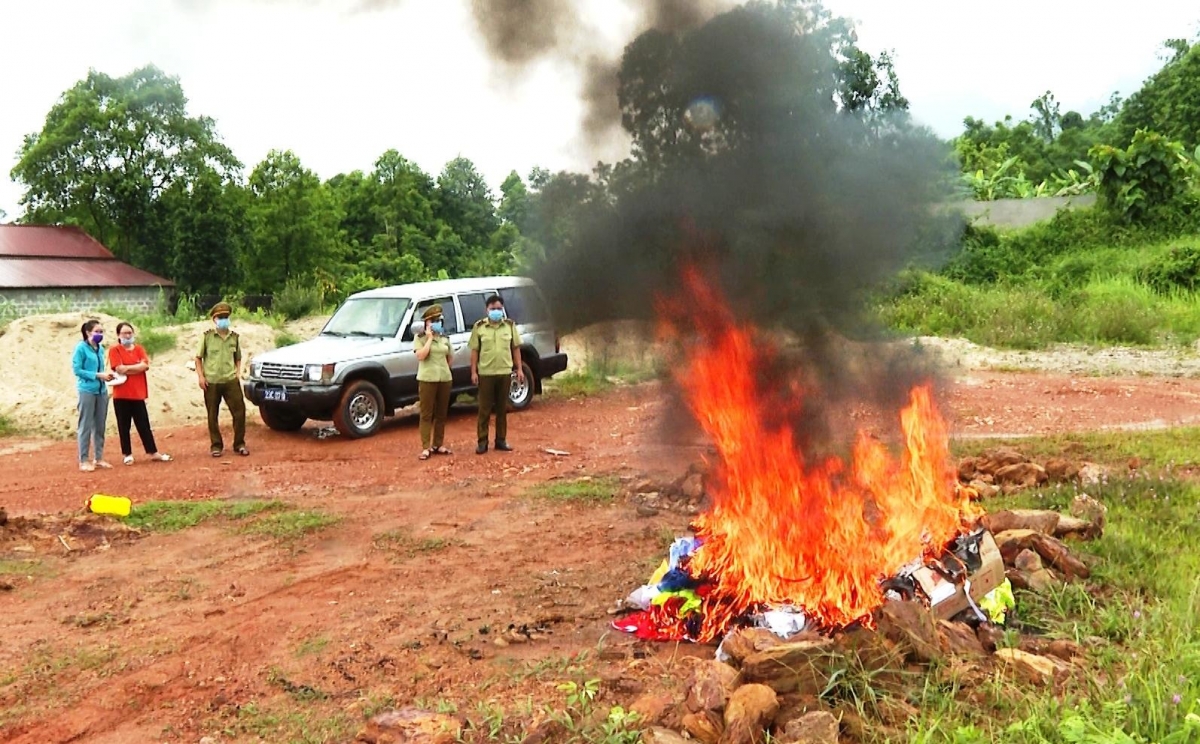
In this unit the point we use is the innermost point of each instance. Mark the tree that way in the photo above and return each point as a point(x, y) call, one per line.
point(1169, 102)
point(294, 223)
point(464, 203)
point(109, 149)
point(208, 230)
point(514, 201)
point(1047, 120)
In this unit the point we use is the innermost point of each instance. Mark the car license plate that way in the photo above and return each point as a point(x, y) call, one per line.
point(275, 394)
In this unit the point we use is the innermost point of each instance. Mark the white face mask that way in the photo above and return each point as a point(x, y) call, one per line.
point(127, 342)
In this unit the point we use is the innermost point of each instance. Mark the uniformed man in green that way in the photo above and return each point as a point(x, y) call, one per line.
point(218, 369)
point(495, 352)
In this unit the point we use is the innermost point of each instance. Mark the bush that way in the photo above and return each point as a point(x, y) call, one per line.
point(283, 338)
point(1179, 268)
point(156, 342)
point(298, 300)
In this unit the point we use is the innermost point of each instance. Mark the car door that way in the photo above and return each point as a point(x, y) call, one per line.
point(472, 307)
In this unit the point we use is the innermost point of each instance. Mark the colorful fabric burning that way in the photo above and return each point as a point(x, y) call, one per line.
point(814, 540)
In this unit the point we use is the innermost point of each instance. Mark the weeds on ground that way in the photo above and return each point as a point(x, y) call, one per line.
point(401, 543)
point(7, 427)
point(601, 373)
point(172, 516)
point(289, 526)
point(1165, 452)
point(1137, 620)
point(156, 342)
point(588, 490)
point(270, 723)
point(311, 646)
point(285, 338)
point(30, 567)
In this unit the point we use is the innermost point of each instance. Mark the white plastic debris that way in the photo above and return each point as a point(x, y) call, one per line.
point(642, 596)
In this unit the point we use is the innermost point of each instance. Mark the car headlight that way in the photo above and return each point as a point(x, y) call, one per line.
point(319, 373)
point(255, 369)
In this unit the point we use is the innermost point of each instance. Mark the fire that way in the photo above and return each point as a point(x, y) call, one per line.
point(818, 535)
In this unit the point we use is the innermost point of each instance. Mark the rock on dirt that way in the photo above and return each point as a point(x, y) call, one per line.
point(706, 727)
point(658, 735)
point(744, 642)
point(958, 640)
point(751, 710)
point(913, 628)
point(816, 727)
point(1022, 474)
point(1038, 670)
point(410, 726)
point(796, 666)
point(1038, 520)
point(712, 684)
point(652, 708)
point(1086, 507)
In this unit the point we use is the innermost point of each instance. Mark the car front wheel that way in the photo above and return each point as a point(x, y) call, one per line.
point(278, 419)
point(360, 411)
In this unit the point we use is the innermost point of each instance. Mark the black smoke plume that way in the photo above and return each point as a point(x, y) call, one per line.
point(748, 167)
point(520, 32)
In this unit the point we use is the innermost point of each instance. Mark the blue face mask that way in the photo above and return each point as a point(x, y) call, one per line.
point(436, 326)
point(495, 315)
point(223, 324)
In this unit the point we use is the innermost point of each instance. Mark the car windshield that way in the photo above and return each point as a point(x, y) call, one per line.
point(367, 316)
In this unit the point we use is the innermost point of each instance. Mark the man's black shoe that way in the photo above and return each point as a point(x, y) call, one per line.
point(502, 446)
point(481, 448)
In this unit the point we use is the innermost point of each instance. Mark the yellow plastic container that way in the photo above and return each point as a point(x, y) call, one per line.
point(118, 506)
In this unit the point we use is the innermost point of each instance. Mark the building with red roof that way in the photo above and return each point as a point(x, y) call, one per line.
point(48, 268)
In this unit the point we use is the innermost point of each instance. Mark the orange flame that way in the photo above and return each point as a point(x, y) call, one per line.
point(821, 536)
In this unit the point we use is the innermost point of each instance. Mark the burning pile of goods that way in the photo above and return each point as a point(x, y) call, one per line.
point(793, 562)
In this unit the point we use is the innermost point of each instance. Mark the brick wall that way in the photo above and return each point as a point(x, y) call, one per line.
point(18, 302)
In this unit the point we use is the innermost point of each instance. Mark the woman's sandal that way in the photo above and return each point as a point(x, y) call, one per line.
point(442, 451)
point(424, 455)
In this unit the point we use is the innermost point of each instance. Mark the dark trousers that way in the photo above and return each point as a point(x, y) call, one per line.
point(133, 412)
point(231, 393)
point(493, 398)
point(435, 407)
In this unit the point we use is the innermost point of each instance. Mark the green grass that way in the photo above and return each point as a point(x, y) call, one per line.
point(289, 526)
point(583, 491)
point(7, 427)
point(1027, 293)
point(172, 516)
point(1113, 310)
point(155, 341)
point(402, 543)
point(284, 338)
point(1165, 450)
point(23, 567)
point(1137, 617)
point(594, 379)
point(312, 646)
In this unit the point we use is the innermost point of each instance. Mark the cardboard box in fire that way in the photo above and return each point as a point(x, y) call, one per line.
point(963, 576)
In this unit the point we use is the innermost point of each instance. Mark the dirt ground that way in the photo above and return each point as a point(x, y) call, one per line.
point(211, 633)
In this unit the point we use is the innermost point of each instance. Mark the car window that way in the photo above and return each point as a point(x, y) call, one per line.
point(451, 315)
point(373, 316)
point(473, 307)
point(524, 304)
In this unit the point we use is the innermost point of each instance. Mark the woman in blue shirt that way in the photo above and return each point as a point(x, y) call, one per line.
point(90, 376)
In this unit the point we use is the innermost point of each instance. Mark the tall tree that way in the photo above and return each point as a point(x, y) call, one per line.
point(109, 149)
point(465, 204)
point(208, 230)
point(294, 223)
point(1169, 102)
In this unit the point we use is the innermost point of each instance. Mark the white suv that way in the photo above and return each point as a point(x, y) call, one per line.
point(362, 366)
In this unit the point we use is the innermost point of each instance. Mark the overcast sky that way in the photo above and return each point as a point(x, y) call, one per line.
point(339, 85)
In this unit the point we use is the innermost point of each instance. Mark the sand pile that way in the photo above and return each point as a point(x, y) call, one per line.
point(39, 390)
